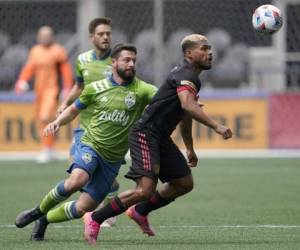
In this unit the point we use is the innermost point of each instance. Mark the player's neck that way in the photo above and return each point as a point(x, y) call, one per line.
point(101, 53)
point(193, 66)
point(117, 80)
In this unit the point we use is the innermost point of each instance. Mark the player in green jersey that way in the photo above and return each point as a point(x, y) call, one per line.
point(118, 101)
point(92, 65)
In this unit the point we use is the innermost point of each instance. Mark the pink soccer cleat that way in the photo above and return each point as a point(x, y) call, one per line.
point(91, 229)
point(141, 220)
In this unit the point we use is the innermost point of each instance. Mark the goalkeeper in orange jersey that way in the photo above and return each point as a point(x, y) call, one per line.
point(47, 63)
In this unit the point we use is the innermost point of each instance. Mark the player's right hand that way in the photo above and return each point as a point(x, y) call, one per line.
point(51, 129)
point(21, 86)
point(224, 131)
point(61, 109)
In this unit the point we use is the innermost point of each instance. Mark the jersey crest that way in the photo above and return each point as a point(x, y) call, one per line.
point(130, 100)
point(87, 158)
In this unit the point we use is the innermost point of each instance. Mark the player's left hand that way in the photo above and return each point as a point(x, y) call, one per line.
point(51, 129)
point(21, 86)
point(192, 158)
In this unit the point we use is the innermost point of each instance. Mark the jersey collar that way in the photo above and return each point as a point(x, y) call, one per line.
point(114, 83)
point(102, 57)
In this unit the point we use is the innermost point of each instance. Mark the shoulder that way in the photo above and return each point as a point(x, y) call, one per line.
point(99, 86)
point(85, 57)
point(58, 46)
point(142, 85)
point(184, 75)
point(36, 49)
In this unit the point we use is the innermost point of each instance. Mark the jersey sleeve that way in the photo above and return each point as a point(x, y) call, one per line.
point(86, 98)
point(186, 81)
point(150, 92)
point(78, 73)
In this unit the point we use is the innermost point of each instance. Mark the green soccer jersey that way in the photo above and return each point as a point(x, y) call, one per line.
point(115, 109)
point(90, 68)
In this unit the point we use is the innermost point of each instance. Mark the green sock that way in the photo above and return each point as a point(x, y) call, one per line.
point(109, 197)
point(54, 197)
point(64, 212)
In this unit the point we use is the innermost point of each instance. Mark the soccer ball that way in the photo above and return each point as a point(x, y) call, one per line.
point(267, 19)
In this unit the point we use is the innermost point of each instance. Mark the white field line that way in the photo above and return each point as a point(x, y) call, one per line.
point(182, 226)
point(202, 154)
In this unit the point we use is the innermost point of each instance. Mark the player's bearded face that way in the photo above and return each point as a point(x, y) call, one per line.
point(125, 65)
point(126, 74)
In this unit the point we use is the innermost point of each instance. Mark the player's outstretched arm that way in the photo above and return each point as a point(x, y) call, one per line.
point(64, 118)
point(71, 97)
point(190, 105)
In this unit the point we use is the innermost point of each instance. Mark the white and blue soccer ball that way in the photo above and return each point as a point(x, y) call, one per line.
point(267, 19)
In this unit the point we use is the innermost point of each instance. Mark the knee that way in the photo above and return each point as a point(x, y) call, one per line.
point(73, 185)
point(186, 187)
point(189, 186)
point(143, 194)
point(76, 180)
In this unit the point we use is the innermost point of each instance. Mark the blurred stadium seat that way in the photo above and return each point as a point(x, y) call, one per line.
point(4, 41)
point(118, 36)
point(173, 50)
point(10, 63)
point(231, 69)
point(145, 46)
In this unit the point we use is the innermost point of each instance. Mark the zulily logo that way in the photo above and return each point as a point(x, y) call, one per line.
point(115, 116)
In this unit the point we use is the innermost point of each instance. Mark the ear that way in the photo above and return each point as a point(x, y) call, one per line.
point(91, 37)
point(188, 52)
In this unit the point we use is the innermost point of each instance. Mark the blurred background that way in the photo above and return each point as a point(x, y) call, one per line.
point(253, 86)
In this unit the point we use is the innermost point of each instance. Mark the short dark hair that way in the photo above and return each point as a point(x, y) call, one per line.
point(188, 44)
point(116, 50)
point(97, 21)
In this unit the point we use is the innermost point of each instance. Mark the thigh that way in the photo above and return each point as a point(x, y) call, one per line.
point(173, 165)
point(102, 179)
point(145, 155)
point(85, 158)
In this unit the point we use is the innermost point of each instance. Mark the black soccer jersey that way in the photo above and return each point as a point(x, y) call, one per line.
point(164, 111)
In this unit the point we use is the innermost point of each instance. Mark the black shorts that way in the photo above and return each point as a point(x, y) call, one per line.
point(155, 157)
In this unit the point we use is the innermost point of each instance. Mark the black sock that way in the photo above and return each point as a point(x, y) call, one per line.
point(155, 202)
point(112, 209)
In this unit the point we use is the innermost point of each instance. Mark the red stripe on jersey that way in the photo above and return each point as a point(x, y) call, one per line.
point(145, 152)
point(186, 87)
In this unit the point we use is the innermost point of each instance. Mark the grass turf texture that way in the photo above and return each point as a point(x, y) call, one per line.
point(228, 192)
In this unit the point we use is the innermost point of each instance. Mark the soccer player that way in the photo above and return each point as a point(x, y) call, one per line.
point(154, 155)
point(118, 101)
point(92, 65)
point(47, 61)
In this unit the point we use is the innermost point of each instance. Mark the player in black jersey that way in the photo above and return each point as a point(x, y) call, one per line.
point(154, 155)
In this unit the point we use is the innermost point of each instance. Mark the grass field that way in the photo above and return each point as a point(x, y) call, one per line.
point(236, 204)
